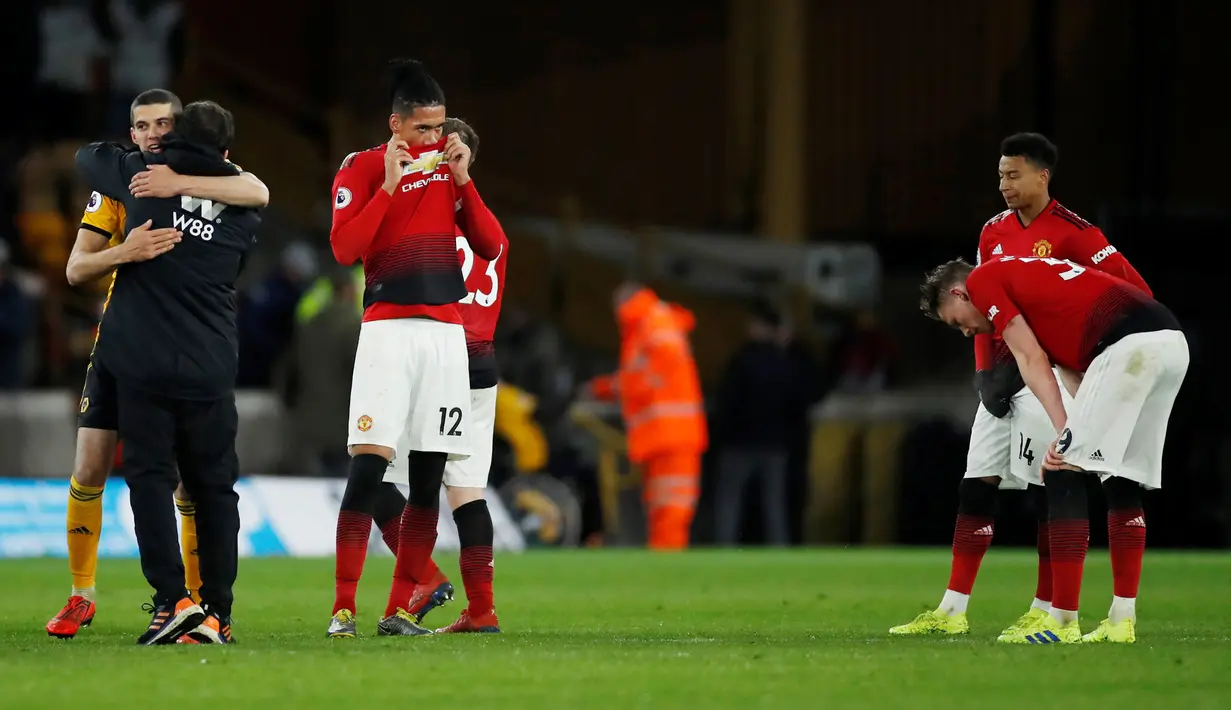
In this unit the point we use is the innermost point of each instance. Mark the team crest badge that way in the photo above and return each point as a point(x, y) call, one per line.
point(85, 404)
point(364, 423)
point(1042, 249)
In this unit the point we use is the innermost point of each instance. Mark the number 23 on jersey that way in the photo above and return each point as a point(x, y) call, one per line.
point(484, 298)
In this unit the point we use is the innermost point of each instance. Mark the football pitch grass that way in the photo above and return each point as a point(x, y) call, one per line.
point(631, 629)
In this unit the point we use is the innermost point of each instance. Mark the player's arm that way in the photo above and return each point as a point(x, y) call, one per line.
point(92, 259)
point(360, 203)
point(1035, 367)
point(992, 390)
point(482, 229)
point(1089, 247)
point(243, 190)
point(101, 166)
point(984, 356)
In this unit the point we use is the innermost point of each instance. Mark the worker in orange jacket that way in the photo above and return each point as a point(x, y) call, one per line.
point(660, 399)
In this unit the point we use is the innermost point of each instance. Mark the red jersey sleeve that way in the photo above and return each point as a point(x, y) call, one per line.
point(480, 226)
point(1089, 247)
point(984, 346)
point(359, 205)
point(988, 294)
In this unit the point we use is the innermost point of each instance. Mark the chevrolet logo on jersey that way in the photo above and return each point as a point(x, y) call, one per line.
point(426, 163)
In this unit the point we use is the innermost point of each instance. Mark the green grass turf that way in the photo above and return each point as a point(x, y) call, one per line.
point(630, 629)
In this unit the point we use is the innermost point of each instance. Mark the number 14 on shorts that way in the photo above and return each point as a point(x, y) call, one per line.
point(451, 418)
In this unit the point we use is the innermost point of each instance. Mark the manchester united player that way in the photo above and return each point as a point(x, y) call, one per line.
point(100, 248)
point(396, 211)
point(1010, 423)
point(466, 480)
point(1132, 357)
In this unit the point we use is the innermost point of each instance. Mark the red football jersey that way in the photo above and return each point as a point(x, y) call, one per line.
point(406, 240)
point(1056, 233)
point(1068, 306)
point(480, 308)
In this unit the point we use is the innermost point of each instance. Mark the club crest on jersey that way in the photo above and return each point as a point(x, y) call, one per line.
point(992, 313)
point(342, 199)
point(426, 163)
point(96, 201)
point(364, 423)
point(1042, 248)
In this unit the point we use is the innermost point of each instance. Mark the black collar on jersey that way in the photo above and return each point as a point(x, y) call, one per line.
point(187, 158)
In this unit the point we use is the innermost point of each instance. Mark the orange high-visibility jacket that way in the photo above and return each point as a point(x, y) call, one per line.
point(657, 383)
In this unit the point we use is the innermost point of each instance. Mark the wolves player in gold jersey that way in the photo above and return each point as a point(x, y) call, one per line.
point(99, 249)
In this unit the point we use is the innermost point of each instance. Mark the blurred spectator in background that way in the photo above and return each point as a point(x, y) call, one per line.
point(267, 314)
point(659, 392)
point(864, 355)
point(147, 51)
point(316, 389)
point(760, 397)
point(532, 357)
point(16, 325)
point(72, 61)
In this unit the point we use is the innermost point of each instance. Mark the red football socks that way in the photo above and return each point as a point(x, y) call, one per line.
point(1068, 540)
point(1042, 590)
point(351, 549)
point(1126, 539)
point(972, 535)
point(477, 575)
point(418, 537)
point(390, 532)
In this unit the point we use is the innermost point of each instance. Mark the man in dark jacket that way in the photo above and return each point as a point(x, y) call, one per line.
point(169, 341)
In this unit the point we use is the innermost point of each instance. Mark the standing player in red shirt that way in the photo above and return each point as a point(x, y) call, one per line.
point(1010, 423)
point(1131, 356)
point(466, 480)
point(395, 210)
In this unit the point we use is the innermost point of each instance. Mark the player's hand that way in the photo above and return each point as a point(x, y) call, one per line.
point(1053, 462)
point(144, 243)
point(156, 181)
point(457, 154)
point(397, 157)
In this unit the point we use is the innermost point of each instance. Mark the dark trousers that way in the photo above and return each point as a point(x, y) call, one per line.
point(158, 433)
point(736, 468)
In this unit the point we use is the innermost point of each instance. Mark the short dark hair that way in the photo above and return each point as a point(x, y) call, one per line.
point(938, 282)
point(467, 133)
point(207, 123)
point(1034, 147)
point(411, 86)
point(152, 97)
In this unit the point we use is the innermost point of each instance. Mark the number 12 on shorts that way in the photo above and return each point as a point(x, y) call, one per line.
point(453, 415)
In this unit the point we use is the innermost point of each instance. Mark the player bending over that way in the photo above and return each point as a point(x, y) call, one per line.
point(396, 210)
point(1131, 356)
point(1010, 424)
point(101, 248)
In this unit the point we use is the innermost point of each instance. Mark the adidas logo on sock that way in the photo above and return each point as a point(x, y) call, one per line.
point(985, 530)
point(83, 530)
point(1137, 522)
point(1097, 455)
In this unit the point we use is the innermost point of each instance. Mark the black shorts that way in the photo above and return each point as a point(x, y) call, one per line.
point(98, 399)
